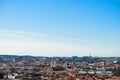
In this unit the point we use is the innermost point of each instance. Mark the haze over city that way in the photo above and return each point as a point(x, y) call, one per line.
point(60, 27)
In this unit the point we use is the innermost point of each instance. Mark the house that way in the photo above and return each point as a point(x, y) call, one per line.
point(59, 70)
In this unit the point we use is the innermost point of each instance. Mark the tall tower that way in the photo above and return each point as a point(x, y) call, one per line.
point(53, 63)
point(90, 54)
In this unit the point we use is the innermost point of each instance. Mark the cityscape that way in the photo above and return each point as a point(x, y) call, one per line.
point(13, 67)
point(59, 39)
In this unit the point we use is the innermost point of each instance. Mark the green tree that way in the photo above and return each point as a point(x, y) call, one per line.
point(116, 72)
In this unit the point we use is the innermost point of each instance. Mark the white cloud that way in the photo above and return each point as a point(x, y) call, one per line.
point(29, 43)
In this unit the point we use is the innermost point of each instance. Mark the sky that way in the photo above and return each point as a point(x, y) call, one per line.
point(60, 27)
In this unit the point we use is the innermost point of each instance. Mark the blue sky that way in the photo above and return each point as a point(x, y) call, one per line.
point(60, 27)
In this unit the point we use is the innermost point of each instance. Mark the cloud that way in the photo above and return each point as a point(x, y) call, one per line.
point(29, 43)
point(39, 44)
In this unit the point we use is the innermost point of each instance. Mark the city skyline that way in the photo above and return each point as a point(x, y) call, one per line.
point(60, 27)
